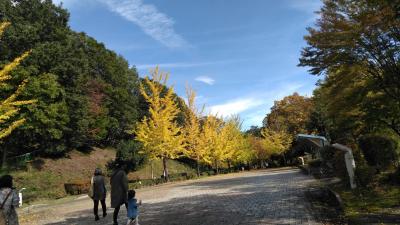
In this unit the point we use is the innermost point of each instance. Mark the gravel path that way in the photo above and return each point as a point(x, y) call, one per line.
point(260, 197)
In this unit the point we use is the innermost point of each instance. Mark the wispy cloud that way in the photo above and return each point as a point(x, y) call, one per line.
point(170, 65)
point(307, 6)
point(254, 118)
point(153, 22)
point(254, 106)
point(235, 107)
point(205, 79)
point(187, 64)
point(68, 3)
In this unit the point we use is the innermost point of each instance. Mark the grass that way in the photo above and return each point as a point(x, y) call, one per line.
point(46, 182)
point(174, 167)
point(40, 185)
point(45, 178)
point(382, 199)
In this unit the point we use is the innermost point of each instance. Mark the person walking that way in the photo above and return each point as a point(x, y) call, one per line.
point(99, 193)
point(119, 190)
point(133, 208)
point(9, 200)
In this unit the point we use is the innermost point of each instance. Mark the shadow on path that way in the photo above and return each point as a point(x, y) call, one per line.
point(259, 198)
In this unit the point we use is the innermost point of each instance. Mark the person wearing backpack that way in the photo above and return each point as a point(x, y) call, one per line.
point(9, 200)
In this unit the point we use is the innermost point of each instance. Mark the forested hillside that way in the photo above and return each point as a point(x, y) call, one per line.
point(86, 94)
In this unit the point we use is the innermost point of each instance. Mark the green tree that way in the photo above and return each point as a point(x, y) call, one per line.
point(361, 37)
point(379, 151)
point(92, 96)
point(254, 131)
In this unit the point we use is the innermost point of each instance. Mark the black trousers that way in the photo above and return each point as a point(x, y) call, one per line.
point(96, 207)
point(116, 211)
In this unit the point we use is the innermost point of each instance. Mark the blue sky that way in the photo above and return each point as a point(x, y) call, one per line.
point(239, 55)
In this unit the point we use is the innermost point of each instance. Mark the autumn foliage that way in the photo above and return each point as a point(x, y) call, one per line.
point(210, 140)
point(10, 106)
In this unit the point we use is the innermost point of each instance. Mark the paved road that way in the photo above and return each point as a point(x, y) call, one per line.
point(251, 198)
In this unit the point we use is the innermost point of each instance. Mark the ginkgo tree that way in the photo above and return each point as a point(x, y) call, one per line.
point(195, 148)
point(10, 106)
point(232, 139)
point(222, 140)
point(160, 134)
point(275, 142)
point(246, 154)
point(211, 140)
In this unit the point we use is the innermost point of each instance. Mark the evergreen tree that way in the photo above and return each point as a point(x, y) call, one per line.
point(359, 41)
point(88, 95)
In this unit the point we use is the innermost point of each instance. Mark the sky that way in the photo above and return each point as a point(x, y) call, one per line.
point(238, 55)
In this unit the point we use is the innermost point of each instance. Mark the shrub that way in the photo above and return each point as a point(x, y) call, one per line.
point(378, 151)
point(333, 163)
point(315, 163)
point(128, 153)
point(327, 153)
point(364, 174)
point(394, 177)
point(210, 172)
point(339, 166)
point(77, 188)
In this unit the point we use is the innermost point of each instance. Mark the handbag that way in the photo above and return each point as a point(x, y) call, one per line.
point(90, 194)
point(3, 217)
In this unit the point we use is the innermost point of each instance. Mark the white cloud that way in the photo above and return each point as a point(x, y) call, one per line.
point(187, 64)
point(254, 106)
point(73, 3)
point(154, 23)
point(254, 118)
point(65, 3)
point(235, 107)
point(170, 65)
point(308, 6)
point(205, 79)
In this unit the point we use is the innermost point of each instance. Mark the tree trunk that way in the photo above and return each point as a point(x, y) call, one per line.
point(284, 160)
point(4, 160)
point(152, 170)
point(216, 165)
point(166, 177)
point(229, 165)
point(198, 167)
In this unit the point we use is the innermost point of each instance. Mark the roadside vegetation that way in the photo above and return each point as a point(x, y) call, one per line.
point(354, 47)
point(66, 97)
